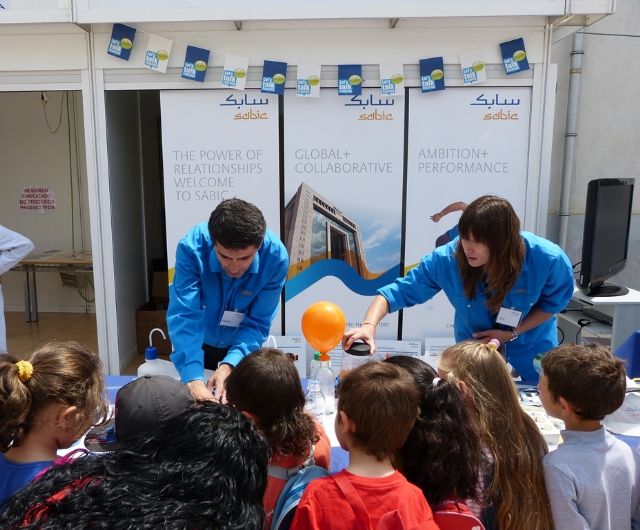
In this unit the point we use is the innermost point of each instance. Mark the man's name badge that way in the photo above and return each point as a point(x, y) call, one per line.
point(232, 319)
point(509, 317)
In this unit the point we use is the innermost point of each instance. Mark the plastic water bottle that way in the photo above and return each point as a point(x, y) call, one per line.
point(327, 381)
point(315, 402)
point(315, 365)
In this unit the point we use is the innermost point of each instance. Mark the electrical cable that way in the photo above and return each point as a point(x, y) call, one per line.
point(44, 101)
point(561, 341)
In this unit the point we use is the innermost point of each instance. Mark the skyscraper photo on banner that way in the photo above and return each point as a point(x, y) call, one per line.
point(474, 142)
point(217, 145)
point(343, 197)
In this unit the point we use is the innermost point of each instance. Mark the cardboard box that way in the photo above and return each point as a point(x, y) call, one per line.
point(159, 285)
point(149, 317)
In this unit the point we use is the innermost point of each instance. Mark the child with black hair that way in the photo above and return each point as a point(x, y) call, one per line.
point(593, 479)
point(46, 403)
point(266, 387)
point(377, 408)
point(442, 453)
point(206, 469)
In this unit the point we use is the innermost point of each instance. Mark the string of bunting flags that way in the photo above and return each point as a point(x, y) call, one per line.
point(274, 73)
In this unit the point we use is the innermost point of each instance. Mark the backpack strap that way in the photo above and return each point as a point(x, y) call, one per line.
point(353, 498)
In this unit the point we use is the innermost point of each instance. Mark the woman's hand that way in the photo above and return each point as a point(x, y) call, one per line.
point(498, 334)
point(365, 333)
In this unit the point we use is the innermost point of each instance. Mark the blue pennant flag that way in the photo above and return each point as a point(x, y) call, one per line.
point(274, 76)
point(514, 56)
point(432, 74)
point(349, 79)
point(195, 64)
point(121, 42)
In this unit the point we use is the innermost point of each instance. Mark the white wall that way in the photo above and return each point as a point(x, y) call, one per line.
point(31, 155)
point(125, 184)
point(608, 124)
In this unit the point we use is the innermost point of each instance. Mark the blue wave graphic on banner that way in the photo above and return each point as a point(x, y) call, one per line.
point(344, 272)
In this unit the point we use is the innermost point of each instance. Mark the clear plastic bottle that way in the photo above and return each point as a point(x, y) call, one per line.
point(327, 381)
point(315, 402)
point(314, 365)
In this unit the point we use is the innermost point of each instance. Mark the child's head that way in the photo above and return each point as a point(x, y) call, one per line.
point(58, 374)
point(208, 469)
point(266, 385)
point(587, 377)
point(516, 445)
point(380, 401)
point(442, 453)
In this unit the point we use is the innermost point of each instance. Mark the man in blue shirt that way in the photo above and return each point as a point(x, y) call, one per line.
point(228, 278)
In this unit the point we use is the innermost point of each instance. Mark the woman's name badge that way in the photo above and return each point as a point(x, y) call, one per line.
point(509, 317)
point(231, 319)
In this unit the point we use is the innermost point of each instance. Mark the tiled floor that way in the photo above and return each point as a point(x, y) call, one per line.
point(24, 337)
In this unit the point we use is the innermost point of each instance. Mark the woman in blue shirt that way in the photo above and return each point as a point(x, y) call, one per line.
point(503, 284)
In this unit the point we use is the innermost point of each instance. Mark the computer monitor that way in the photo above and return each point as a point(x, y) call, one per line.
point(605, 239)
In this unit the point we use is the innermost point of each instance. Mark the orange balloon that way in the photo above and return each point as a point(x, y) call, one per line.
point(323, 325)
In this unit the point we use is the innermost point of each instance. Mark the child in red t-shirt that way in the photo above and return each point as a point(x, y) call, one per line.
point(266, 387)
point(377, 407)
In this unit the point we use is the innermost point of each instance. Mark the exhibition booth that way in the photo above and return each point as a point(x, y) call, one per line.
point(349, 182)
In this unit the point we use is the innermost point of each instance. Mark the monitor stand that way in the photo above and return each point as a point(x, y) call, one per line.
point(606, 289)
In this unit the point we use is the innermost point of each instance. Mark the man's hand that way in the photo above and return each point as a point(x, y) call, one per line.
point(199, 390)
point(216, 383)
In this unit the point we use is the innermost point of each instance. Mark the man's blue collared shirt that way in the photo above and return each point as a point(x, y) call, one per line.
point(545, 282)
point(201, 292)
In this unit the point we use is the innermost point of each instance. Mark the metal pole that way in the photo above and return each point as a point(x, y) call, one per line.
point(570, 136)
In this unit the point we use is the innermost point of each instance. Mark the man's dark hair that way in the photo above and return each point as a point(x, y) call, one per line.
point(442, 455)
point(382, 402)
point(588, 377)
point(237, 224)
point(207, 470)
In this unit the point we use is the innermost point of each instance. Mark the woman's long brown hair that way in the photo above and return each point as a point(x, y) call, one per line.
point(491, 220)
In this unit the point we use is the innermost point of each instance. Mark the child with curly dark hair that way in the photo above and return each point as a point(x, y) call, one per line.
point(266, 387)
point(46, 403)
point(442, 453)
point(206, 469)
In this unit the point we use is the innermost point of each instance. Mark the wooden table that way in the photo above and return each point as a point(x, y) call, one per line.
point(49, 261)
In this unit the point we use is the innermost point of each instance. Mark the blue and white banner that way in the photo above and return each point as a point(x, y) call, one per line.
point(514, 56)
point(391, 79)
point(274, 76)
point(487, 152)
point(121, 41)
point(349, 79)
point(195, 63)
point(308, 80)
point(234, 73)
point(343, 197)
point(431, 74)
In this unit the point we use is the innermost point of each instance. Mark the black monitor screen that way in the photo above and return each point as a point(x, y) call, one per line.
point(606, 233)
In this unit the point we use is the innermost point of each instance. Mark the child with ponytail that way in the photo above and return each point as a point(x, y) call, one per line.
point(514, 488)
point(46, 403)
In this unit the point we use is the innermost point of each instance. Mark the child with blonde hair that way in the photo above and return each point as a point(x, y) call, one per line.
point(46, 403)
point(514, 486)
